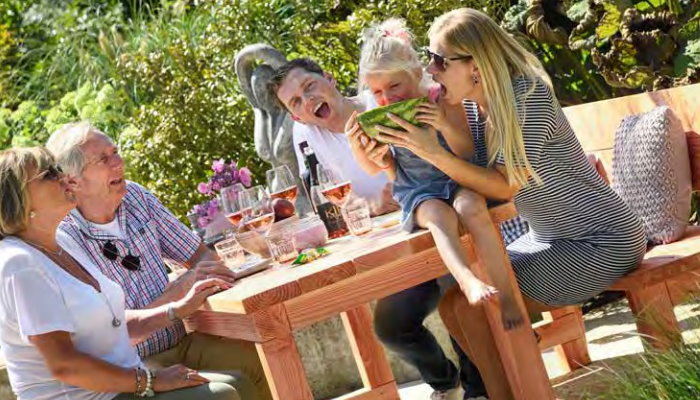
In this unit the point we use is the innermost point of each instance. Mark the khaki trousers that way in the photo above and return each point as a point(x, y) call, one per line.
point(213, 353)
point(221, 386)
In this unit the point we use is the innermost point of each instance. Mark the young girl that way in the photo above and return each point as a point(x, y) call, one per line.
point(391, 70)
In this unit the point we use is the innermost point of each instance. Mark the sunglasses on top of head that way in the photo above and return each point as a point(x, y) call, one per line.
point(439, 60)
point(51, 173)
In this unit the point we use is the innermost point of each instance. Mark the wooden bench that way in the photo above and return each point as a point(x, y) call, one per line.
point(669, 274)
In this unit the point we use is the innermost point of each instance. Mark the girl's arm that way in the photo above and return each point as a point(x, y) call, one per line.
point(372, 156)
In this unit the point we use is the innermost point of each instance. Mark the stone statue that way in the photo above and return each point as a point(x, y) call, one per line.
point(273, 124)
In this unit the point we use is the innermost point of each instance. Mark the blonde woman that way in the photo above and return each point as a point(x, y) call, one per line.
point(63, 329)
point(582, 235)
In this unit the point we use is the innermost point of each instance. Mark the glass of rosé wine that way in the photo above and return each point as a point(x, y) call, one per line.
point(261, 214)
point(334, 186)
point(234, 203)
point(281, 183)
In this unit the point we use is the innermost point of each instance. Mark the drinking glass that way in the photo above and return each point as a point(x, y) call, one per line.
point(235, 205)
point(334, 186)
point(261, 214)
point(230, 252)
point(281, 183)
point(356, 215)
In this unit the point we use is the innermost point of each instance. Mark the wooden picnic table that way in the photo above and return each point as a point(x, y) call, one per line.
point(267, 307)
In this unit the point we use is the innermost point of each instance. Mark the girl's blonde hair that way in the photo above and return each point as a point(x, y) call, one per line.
point(500, 59)
point(17, 167)
point(388, 47)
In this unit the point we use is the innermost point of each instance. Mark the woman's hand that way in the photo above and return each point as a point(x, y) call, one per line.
point(433, 115)
point(176, 377)
point(378, 154)
point(422, 141)
point(198, 295)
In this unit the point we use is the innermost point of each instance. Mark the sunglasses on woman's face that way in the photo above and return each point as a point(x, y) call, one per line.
point(439, 60)
point(130, 262)
point(51, 173)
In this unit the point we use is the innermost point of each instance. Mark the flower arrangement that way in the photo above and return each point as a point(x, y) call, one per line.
point(224, 174)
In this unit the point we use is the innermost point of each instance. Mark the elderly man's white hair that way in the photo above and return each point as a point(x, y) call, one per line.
point(65, 145)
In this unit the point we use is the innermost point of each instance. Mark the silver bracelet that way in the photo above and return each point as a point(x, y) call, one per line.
point(148, 390)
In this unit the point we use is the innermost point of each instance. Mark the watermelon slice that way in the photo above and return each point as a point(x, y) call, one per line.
point(406, 110)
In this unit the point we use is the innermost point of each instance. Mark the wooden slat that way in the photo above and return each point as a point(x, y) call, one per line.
point(232, 326)
point(684, 287)
point(280, 360)
point(595, 123)
point(369, 354)
point(663, 262)
point(656, 321)
point(327, 277)
point(575, 351)
point(362, 288)
point(557, 331)
point(385, 392)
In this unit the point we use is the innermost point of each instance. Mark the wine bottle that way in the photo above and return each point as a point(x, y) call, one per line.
point(329, 213)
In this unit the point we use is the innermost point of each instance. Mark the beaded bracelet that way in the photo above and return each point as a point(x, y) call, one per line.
point(138, 380)
point(148, 390)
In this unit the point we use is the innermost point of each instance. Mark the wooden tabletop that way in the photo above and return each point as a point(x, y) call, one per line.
point(349, 256)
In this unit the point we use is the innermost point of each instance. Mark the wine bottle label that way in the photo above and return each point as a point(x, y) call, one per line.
point(333, 219)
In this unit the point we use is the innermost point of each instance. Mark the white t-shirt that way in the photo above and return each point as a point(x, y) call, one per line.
point(333, 149)
point(111, 227)
point(36, 297)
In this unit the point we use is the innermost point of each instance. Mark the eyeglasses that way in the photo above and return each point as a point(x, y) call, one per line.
point(51, 173)
point(439, 60)
point(130, 262)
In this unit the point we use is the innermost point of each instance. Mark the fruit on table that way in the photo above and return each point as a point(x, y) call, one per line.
point(406, 110)
point(283, 209)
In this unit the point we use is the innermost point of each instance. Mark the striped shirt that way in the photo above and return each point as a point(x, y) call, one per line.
point(150, 232)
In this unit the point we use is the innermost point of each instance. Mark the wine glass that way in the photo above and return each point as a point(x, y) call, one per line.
point(261, 214)
point(281, 183)
point(235, 205)
point(334, 185)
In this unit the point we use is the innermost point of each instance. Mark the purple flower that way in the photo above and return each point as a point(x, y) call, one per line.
point(244, 176)
point(202, 222)
point(216, 186)
point(203, 188)
point(218, 166)
point(197, 209)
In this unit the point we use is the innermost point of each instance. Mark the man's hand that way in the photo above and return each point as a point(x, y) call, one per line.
point(385, 204)
point(202, 271)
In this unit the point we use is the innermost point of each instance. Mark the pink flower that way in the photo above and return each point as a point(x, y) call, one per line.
point(218, 166)
point(202, 222)
point(216, 186)
point(203, 188)
point(244, 176)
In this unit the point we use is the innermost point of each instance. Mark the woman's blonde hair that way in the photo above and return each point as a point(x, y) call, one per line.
point(388, 47)
point(500, 59)
point(17, 167)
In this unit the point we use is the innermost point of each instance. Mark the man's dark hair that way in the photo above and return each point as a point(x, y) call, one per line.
point(283, 71)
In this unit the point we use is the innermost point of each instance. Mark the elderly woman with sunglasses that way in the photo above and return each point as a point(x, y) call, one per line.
point(63, 328)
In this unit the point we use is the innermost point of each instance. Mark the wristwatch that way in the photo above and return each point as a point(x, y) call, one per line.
point(170, 311)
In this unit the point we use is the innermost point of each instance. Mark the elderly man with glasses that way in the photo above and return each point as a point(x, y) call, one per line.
point(128, 233)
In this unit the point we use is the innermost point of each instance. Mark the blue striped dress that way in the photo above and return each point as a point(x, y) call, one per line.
point(582, 236)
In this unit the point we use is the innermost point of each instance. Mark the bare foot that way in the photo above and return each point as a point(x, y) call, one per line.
point(510, 313)
point(477, 291)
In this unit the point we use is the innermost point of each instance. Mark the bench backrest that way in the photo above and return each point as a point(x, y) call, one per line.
point(595, 123)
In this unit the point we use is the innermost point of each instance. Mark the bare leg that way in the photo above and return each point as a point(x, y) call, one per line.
point(443, 223)
point(474, 214)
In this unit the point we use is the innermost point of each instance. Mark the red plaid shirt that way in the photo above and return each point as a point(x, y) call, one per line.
point(151, 232)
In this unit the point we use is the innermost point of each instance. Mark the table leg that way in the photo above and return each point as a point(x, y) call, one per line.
point(368, 351)
point(520, 357)
point(280, 357)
